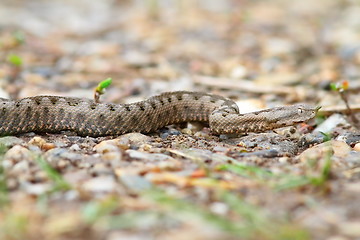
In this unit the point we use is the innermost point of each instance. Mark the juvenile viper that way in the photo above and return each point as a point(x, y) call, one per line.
point(87, 118)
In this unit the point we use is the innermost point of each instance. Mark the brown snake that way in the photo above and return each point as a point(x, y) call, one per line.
point(87, 118)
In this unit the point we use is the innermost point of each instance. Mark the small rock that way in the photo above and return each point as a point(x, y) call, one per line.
point(133, 182)
point(111, 150)
point(136, 138)
point(204, 132)
point(329, 124)
point(336, 148)
point(107, 146)
point(187, 131)
point(316, 152)
point(10, 141)
point(310, 139)
point(219, 208)
point(57, 154)
point(153, 157)
point(20, 167)
point(37, 189)
point(202, 155)
point(357, 147)
point(41, 143)
point(353, 159)
point(289, 132)
point(351, 138)
point(100, 169)
point(220, 149)
point(166, 132)
point(17, 154)
point(268, 153)
point(102, 184)
point(60, 143)
point(37, 141)
point(75, 147)
point(283, 160)
point(341, 149)
point(112, 156)
point(129, 140)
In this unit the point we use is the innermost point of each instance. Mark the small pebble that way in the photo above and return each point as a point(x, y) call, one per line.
point(134, 182)
point(167, 132)
point(148, 156)
point(75, 147)
point(107, 146)
point(353, 159)
point(219, 208)
point(101, 184)
point(351, 138)
point(329, 124)
point(310, 139)
point(17, 154)
point(20, 167)
point(220, 149)
point(283, 160)
point(110, 150)
point(41, 143)
point(57, 154)
point(357, 147)
point(37, 189)
point(37, 141)
point(100, 169)
point(10, 141)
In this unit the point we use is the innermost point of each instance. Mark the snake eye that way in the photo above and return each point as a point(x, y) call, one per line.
point(300, 110)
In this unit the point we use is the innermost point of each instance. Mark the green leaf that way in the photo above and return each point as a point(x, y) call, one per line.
point(15, 60)
point(103, 85)
point(334, 87)
point(327, 136)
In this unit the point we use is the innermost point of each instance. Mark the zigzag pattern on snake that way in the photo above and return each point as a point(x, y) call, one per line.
point(85, 117)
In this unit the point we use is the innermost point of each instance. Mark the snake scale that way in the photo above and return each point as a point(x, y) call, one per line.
point(86, 118)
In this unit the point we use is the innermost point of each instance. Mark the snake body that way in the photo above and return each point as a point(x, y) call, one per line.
point(85, 117)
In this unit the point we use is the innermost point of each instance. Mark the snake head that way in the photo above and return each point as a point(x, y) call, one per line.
point(298, 113)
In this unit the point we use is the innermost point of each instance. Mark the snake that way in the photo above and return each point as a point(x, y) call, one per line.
point(85, 117)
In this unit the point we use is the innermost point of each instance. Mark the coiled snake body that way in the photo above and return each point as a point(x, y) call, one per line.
point(87, 118)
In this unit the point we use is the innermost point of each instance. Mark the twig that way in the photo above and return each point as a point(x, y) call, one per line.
point(342, 88)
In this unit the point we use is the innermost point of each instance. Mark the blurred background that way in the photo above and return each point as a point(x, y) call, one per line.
point(159, 45)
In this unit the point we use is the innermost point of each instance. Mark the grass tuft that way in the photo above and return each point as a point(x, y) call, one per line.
point(59, 183)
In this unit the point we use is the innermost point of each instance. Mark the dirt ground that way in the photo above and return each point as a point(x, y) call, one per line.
point(182, 181)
